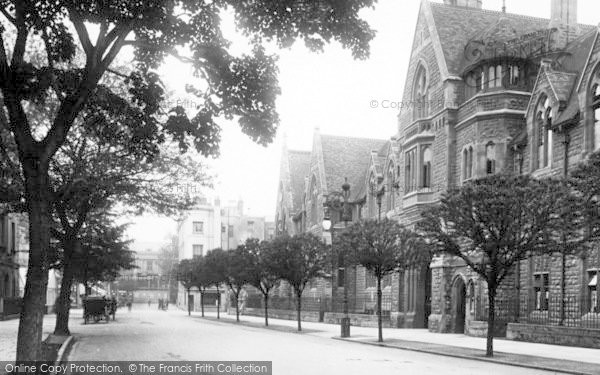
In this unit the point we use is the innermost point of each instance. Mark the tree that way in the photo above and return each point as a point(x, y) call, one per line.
point(298, 260)
point(185, 275)
point(492, 223)
point(216, 269)
point(104, 254)
point(237, 273)
point(585, 181)
point(241, 87)
point(262, 256)
point(200, 278)
point(382, 247)
point(167, 262)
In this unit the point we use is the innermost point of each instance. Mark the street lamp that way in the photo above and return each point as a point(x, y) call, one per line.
point(345, 322)
point(338, 202)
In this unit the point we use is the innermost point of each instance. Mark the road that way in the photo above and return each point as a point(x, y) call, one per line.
point(157, 335)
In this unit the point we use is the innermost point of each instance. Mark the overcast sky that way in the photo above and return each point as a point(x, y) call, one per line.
point(330, 91)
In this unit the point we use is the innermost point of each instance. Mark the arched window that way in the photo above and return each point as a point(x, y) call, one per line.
point(490, 157)
point(471, 294)
point(544, 132)
point(390, 188)
point(314, 197)
point(410, 176)
point(467, 163)
point(371, 197)
point(421, 94)
point(426, 159)
point(471, 85)
point(514, 75)
point(596, 111)
point(492, 77)
point(7, 287)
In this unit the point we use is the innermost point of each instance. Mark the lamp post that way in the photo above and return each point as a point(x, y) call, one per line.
point(345, 322)
point(338, 202)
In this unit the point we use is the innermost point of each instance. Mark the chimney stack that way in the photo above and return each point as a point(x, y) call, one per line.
point(564, 12)
point(465, 3)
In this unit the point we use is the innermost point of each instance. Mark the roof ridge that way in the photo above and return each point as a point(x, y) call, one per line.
point(349, 137)
point(489, 11)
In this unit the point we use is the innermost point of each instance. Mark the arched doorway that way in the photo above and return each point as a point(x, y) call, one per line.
point(459, 293)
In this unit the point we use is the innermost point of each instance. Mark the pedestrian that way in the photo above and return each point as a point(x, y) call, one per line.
point(129, 306)
point(149, 302)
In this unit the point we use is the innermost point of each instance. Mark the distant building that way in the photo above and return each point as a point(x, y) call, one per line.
point(148, 281)
point(210, 225)
point(14, 257)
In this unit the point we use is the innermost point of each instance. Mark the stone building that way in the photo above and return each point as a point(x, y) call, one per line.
point(486, 92)
point(489, 92)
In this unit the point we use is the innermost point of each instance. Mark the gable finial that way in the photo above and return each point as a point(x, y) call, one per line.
point(503, 6)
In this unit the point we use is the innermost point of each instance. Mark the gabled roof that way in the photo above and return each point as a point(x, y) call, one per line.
point(347, 157)
point(561, 84)
point(299, 164)
point(567, 73)
point(456, 26)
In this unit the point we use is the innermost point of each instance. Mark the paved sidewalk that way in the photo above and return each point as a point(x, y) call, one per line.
point(8, 336)
point(551, 357)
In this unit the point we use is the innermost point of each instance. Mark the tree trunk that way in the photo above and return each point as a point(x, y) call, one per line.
point(29, 337)
point(266, 296)
point(188, 303)
point(563, 276)
point(299, 310)
point(237, 306)
point(63, 303)
point(202, 302)
point(489, 349)
point(218, 303)
point(379, 320)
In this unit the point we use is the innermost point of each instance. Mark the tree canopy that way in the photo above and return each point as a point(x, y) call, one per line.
point(493, 222)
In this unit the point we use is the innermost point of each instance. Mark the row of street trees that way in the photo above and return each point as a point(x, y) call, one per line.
point(382, 247)
point(490, 223)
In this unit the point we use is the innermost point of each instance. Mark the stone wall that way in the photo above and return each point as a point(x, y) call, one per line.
point(584, 337)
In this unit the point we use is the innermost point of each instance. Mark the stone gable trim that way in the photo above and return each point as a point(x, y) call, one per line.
point(588, 60)
point(498, 112)
point(530, 105)
point(435, 40)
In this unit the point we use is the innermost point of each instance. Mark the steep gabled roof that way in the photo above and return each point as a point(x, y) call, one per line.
point(347, 157)
point(457, 26)
point(567, 73)
point(299, 164)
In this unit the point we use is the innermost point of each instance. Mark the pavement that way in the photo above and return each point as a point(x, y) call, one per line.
point(8, 336)
point(556, 358)
point(143, 335)
point(148, 334)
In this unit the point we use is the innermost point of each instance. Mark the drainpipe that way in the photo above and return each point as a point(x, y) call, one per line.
point(563, 268)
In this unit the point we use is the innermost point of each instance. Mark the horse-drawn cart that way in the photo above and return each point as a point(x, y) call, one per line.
point(97, 308)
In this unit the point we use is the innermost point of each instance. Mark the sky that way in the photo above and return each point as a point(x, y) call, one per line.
point(329, 91)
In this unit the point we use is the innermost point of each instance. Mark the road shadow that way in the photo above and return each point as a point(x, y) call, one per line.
point(273, 327)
